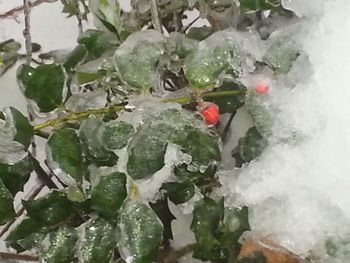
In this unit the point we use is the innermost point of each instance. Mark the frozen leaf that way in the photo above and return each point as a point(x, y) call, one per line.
point(147, 150)
point(179, 192)
point(98, 42)
point(180, 45)
point(51, 209)
point(44, 84)
point(7, 211)
point(108, 13)
point(281, 55)
point(115, 135)
point(97, 242)
point(66, 150)
point(24, 131)
point(207, 216)
point(140, 232)
point(252, 145)
point(27, 235)
point(91, 144)
point(8, 54)
point(16, 176)
point(95, 99)
point(204, 66)
point(162, 210)
point(74, 58)
point(70, 7)
point(228, 103)
point(61, 248)
point(249, 6)
point(200, 33)
point(198, 178)
point(109, 193)
point(137, 58)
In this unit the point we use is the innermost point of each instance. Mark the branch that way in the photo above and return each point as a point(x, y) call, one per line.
point(26, 31)
point(19, 9)
point(11, 256)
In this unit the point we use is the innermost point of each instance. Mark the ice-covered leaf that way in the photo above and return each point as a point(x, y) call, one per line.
point(204, 66)
point(8, 54)
point(180, 45)
point(137, 58)
point(249, 6)
point(161, 208)
point(200, 33)
point(61, 247)
point(198, 178)
point(147, 150)
point(51, 209)
point(179, 192)
point(115, 135)
point(24, 130)
point(7, 211)
point(95, 99)
point(16, 176)
point(108, 194)
point(66, 150)
point(75, 57)
point(140, 232)
point(228, 103)
point(27, 235)
point(44, 85)
point(252, 145)
point(92, 146)
point(207, 216)
point(98, 42)
point(281, 55)
point(96, 242)
point(108, 13)
point(70, 7)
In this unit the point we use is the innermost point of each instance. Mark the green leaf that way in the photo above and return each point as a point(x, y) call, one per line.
point(74, 58)
point(97, 42)
point(108, 12)
point(203, 147)
point(16, 176)
point(27, 235)
point(24, 131)
point(147, 150)
point(97, 243)
point(249, 6)
point(207, 216)
point(51, 209)
point(203, 67)
point(200, 33)
point(198, 178)
point(137, 58)
point(61, 248)
point(7, 211)
point(281, 55)
point(252, 145)
point(180, 192)
point(115, 135)
point(163, 212)
point(67, 151)
point(141, 232)
point(229, 103)
point(70, 7)
point(92, 146)
point(108, 195)
point(44, 85)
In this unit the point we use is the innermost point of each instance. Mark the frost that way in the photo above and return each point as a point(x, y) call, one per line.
point(297, 190)
point(86, 101)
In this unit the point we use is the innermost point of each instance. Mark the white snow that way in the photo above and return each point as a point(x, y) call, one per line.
point(298, 190)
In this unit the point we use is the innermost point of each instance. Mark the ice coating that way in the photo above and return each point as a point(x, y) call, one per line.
point(297, 190)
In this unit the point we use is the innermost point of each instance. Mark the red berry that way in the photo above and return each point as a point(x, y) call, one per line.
point(210, 113)
point(262, 88)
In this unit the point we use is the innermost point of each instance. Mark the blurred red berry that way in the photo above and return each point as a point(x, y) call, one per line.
point(262, 88)
point(210, 113)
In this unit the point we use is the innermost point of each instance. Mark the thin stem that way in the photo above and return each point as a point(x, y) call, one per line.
point(12, 13)
point(26, 31)
point(11, 256)
point(191, 24)
point(79, 17)
point(155, 16)
point(42, 175)
point(228, 126)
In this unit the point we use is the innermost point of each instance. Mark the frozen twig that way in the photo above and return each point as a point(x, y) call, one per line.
point(155, 16)
point(12, 256)
point(26, 31)
point(19, 9)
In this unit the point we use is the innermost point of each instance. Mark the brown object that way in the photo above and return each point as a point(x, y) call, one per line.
point(271, 252)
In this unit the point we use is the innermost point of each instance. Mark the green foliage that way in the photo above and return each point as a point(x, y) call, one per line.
point(44, 85)
point(252, 145)
point(140, 232)
point(249, 6)
point(116, 134)
point(50, 210)
point(109, 193)
point(6, 204)
point(8, 54)
point(180, 192)
point(24, 131)
point(66, 150)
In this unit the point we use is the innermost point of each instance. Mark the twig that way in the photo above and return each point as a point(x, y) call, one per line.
point(155, 16)
point(190, 24)
point(228, 126)
point(79, 17)
point(19, 9)
point(11, 256)
point(42, 175)
point(26, 31)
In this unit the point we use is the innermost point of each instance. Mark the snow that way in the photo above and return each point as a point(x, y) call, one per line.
point(297, 191)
